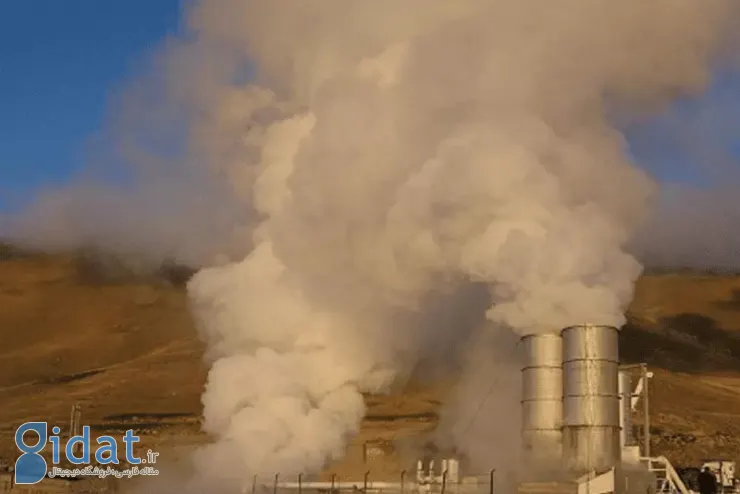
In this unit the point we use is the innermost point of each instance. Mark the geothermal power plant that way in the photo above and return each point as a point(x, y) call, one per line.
point(576, 411)
point(577, 403)
point(570, 400)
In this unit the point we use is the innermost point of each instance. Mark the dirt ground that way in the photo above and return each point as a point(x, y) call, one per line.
point(127, 352)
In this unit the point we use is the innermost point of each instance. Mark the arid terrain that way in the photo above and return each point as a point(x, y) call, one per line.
point(126, 350)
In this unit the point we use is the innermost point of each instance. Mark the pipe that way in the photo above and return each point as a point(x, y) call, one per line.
point(542, 394)
point(590, 398)
point(646, 409)
point(626, 437)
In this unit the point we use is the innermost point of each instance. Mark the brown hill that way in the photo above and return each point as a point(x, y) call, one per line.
point(77, 330)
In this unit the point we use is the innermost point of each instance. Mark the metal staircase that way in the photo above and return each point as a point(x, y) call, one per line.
point(667, 479)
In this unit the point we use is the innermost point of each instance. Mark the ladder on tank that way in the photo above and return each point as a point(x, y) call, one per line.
point(667, 479)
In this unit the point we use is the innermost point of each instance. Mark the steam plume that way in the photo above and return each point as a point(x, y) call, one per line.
point(407, 148)
point(386, 155)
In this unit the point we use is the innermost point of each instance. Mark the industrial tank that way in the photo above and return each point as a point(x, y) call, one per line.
point(591, 432)
point(542, 394)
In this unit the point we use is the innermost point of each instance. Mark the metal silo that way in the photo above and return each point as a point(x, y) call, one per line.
point(542, 395)
point(591, 432)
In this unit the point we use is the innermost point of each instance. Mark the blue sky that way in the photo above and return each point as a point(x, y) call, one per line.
point(697, 141)
point(59, 59)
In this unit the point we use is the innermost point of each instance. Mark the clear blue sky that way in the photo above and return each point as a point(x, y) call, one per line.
point(58, 61)
point(60, 58)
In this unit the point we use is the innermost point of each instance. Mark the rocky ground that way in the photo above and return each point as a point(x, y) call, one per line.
point(125, 349)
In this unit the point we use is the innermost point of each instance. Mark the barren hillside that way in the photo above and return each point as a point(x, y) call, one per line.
point(126, 350)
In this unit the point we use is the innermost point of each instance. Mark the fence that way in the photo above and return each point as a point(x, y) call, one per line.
point(423, 482)
point(58, 486)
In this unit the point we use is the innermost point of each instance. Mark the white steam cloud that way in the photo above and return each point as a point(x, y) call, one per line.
point(385, 155)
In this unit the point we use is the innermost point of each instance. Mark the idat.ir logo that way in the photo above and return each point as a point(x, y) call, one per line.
point(31, 467)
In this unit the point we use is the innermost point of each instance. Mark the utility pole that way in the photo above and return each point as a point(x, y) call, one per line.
point(72, 419)
point(74, 424)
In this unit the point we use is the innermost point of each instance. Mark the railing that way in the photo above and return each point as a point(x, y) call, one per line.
point(429, 483)
point(667, 479)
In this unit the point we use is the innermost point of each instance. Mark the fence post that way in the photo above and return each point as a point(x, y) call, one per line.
point(333, 478)
point(74, 425)
point(300, 483)
point(254, 484)
point(444, 481)
point(364, 481)
point(403, 477)
point(72, 417)
point(274, 485)
point(490, 487)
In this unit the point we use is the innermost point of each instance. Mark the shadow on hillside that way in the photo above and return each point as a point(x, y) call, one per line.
point(99, 269)
point(124, 417)
point(732, 303)
point(95, 267)
point(8, 252)
point(682, 343)
point(68, 378)
point(423, 417)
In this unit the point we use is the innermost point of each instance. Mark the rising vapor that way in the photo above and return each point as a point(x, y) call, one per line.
point(384, 156)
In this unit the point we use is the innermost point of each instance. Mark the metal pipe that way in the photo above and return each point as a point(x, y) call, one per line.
point(542, 394)
point(646, 409)
point(364, 481)
point(254, 484)
point(403, 477)
point(590, 398)
point(630, 366)
point(275, 484)
point(490, 485)
point(626, 437)
point(333, 476)
point(300, 485)
point(444, 481)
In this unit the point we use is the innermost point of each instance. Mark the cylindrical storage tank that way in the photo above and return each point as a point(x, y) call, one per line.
point(625, 409)
point(591, 432)
point(542, 397)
